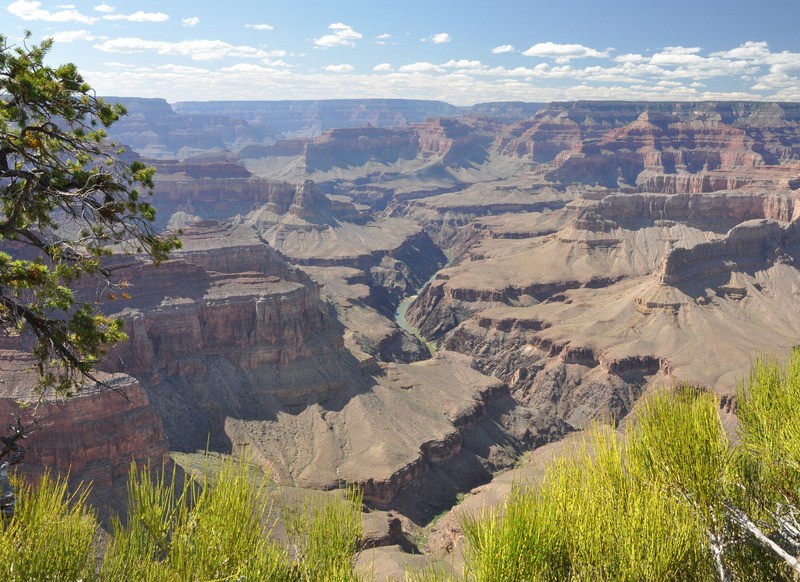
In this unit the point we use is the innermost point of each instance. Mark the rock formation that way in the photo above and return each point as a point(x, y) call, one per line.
point(92, 436)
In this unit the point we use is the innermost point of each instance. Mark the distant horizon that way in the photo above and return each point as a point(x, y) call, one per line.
point(555, 101)
point(462, 53)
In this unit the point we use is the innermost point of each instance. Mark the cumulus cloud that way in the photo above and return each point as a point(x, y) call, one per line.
point(748, 50)
point(542, 82)
point(631, 58)
point(439, 38)
point(383, 36)
point(339, 68)
point(463, 64)
point(503, 48)
point(759, 54)
point(72, 36)
point(677, 55)
point(563, 53)
point(198, 50)
point(139, 16)
point(27, 10)
point(191, 21)
point(105, 8)
point(342, 35)
point(749, 71)
point(259, 26)
point(421, 67)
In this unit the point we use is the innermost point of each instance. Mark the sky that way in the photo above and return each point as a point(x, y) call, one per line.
point(461, 52)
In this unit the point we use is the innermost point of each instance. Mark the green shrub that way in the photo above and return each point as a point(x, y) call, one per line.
point(202, 531)
point(50, 536)
point(326, 536)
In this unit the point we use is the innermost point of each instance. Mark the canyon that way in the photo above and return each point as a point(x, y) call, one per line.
point(564, 259)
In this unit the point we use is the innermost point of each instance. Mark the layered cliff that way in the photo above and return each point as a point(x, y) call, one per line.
point(599, 248)
point(310, 118)
point(94, 436)
point(660, 147)
point(624, 291)
point(153, 129)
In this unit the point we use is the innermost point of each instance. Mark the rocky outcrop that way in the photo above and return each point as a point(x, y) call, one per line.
point(717, 212)
point(754, 245)
point(456, 142)
point(672, 149)
point(222, 190)
point(182, 312)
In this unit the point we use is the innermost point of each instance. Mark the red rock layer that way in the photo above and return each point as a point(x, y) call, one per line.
point(93, 436)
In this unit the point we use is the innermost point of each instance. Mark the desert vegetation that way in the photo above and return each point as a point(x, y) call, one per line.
point(672, 497)
point(211, 528)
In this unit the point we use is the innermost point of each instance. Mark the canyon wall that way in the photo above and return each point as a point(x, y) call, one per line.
point(93, 436)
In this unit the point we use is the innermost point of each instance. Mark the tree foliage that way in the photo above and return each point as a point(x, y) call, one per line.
point(68, 198)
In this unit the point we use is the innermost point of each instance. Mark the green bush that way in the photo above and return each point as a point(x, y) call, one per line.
point(216, 529)
point(50, 536)
point(672, 501)
point(326, 535)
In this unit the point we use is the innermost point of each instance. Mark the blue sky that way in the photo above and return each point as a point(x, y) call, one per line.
point(461, 52)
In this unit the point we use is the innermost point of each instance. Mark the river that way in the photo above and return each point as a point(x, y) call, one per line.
point(400, 313)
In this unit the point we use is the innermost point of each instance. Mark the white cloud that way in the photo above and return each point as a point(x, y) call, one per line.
point(758, 54)
point(139, 16)
point(463, 64)
point(198, 50)
point(72, 36)
point(191, 21)
point(259, 26)
point(279, 63)
point(631, 58)
point(383, 36)
point(244, 68)
point(343, 35)
point(563, 53)
point(421, 67)
point(750, 71)
point(27, 10)
point(105, 8)
point(677, 55)
point(503, 48)
point(774, 81)
point(251, 81)
point(439, 38)
point(748, 50)
point(339, 68)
